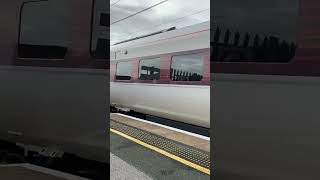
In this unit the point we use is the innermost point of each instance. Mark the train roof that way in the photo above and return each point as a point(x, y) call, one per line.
point(168, 41)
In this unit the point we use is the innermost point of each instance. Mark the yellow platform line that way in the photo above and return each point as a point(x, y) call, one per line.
point(172, 156)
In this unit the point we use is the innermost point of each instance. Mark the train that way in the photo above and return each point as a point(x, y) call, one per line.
point(265, 87)
point(53, 71)
point(165, 74)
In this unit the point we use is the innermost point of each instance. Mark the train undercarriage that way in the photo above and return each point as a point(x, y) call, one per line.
point(12, 153)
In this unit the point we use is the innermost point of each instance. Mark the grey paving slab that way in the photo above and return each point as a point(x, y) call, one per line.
point(120, 170)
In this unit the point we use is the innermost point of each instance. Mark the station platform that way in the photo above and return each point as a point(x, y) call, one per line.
point(145, 150)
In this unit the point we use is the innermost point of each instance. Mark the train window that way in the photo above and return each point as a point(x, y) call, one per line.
point(149, 69)
point(104, 20)
point(123, 71)
point(44, 31)
point(100, 35)
point(186, 67)
point(255, 31)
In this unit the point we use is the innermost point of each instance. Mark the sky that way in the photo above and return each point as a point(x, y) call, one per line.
point(172, 13)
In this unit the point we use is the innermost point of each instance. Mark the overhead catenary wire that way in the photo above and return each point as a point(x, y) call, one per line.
point(173, 20)
point(114, 3)
point(139, 12)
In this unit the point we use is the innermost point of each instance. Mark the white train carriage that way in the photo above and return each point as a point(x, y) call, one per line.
point(165, 74)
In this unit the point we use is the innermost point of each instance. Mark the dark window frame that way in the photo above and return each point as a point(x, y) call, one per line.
point(185, 54)
point(92, 55)
point(102, 16)
point(36, 61)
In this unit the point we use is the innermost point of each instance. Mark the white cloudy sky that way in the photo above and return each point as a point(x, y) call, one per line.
point(178, 13)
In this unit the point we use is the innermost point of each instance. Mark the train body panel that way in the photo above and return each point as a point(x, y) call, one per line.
point(54, 91)
point(266, 122)
point(185, 100)
point(55, 108)
point(184, 103)
point(184, 39)
point(265, 93)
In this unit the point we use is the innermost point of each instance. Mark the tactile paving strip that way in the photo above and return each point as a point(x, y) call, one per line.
point(183, 151)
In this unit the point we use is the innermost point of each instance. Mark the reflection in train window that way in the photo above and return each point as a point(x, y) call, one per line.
point(186, 67)
point(123, 71)
point(44, 31)
point(149, 69)
point(255, 31)
point(100, 35)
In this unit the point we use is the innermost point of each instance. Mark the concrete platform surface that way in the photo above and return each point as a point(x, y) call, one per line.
point(138, 162)
point(122, 170)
